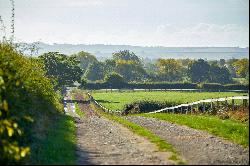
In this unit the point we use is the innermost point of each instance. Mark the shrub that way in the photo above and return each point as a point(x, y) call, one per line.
point(145, 106)
point(27, 100)
point(212, 86)
point(115, 80)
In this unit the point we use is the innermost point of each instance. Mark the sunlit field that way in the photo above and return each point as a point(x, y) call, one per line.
point(117, 100)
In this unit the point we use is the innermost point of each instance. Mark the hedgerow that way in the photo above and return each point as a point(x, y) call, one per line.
point(27, 101)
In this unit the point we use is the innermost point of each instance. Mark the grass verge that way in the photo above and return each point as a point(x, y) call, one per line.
point(228, 129)
point(58, 147)
point(78, 111)
point(161, 144)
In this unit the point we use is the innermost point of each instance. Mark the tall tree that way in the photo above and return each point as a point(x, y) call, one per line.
point(129, 66)
point(62, 69)
point(242, 67)
point(85, 59)
point(95, 72)
point(219, 74)
point(169, 69)
point(198, 71)
point(126, 55)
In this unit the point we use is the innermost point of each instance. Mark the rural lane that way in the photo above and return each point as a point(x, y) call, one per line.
point(103, 142)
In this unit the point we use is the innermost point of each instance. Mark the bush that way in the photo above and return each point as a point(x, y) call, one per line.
point(27, 100)
point(115, 80)
point(145, 106)
point(236, 87)
point(166, 85)
point(106, 85)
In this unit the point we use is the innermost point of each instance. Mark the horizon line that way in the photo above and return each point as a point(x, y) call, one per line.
point(134, 45)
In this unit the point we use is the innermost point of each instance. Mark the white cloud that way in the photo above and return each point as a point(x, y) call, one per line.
point(83, 3)
point(202, 34)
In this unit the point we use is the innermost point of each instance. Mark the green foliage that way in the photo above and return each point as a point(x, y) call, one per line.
point(85, 59)
point(95, 72)
point(202, 71)
point(26, 96)
point(219, 74)
point(170, 69)
point(79, 111)
point(62, 69)
point(128, 65)
point(144, 106)
point(58, 147)
point(232, 130)
point(199, 71)
point(242, 67)
point(126, 55)
point(114, 80)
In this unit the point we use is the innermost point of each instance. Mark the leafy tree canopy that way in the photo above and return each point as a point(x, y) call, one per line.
point(62, 69)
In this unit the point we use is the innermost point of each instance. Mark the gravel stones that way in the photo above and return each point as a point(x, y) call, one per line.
point(195, 146)
point(101, 141)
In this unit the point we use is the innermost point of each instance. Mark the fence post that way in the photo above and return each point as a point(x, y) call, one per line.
point(218, 104)
point(244, 104)
point(226, 104)
point(203, 107)
point(192, 109)
point(198, 107)
point(187, 109)
point(233, 104)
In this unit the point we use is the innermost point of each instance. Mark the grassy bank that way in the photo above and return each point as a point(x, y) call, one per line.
point(59, 146)
point(228, 129)
point(117, 100)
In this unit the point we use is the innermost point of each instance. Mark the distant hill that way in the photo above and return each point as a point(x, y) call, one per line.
point(102, 51)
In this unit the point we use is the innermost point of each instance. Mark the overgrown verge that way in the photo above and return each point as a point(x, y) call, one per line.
point(228, 129)
point(161, 144)
point(58, 147)
point(79, 111)
point(28, 107)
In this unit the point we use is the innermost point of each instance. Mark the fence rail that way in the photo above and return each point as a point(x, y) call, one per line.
point(244, 98)
point(117, 112)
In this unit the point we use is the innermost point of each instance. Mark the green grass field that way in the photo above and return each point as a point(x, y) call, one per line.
point(229, 129)
point(117, 100)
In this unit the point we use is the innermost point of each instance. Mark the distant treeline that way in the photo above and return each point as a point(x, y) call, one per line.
point(126, 69)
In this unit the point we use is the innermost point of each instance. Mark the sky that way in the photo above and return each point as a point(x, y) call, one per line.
point(170, 23)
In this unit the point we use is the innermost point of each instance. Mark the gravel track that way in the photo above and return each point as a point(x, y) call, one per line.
point(103, 142)
point(108, 143)
point(196, 147)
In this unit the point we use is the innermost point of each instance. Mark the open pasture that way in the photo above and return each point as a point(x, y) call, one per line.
point(117, 100)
